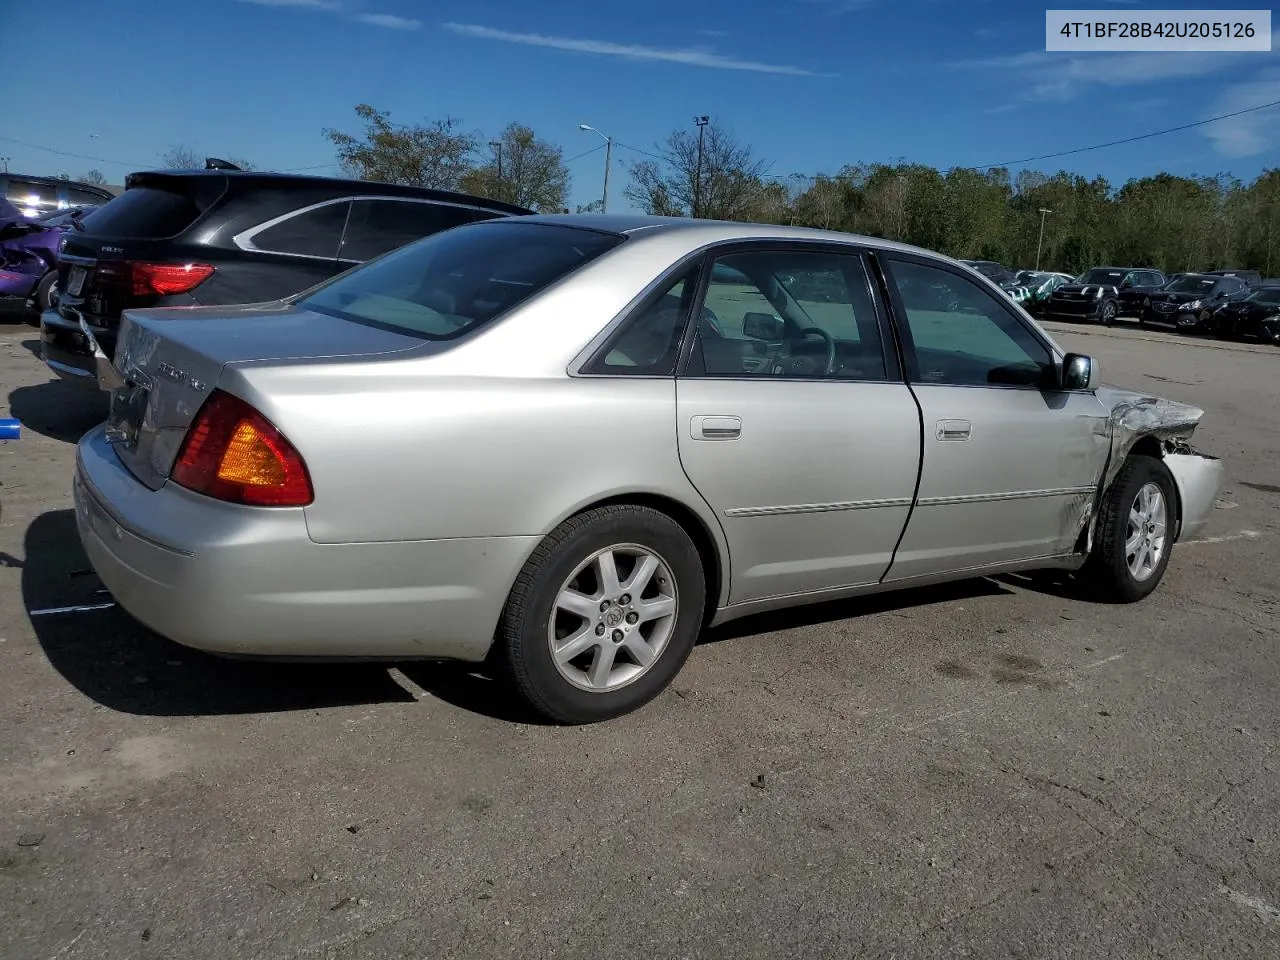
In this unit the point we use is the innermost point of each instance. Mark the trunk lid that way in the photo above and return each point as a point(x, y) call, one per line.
point(94, 272)
point(171, 360)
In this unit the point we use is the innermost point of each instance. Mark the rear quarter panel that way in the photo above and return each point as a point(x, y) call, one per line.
point(400, 456)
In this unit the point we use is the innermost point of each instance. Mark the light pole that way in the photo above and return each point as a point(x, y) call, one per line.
point(497, 146)
point(1040, 243)
point(608, 161)
point(701, 123)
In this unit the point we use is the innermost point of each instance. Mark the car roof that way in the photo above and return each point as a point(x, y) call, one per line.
point(58, 181)
point(700, 232)
point(305, 181)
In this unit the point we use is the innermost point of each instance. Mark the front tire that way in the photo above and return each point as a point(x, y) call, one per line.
point(1109, 312)
point(1135, 532)
point(603, 615)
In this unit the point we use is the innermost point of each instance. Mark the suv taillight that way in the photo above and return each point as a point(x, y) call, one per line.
point(234, 453)
point(164, 279)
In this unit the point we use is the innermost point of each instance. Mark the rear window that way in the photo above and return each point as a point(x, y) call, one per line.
point(145, 213)
point(456, 281)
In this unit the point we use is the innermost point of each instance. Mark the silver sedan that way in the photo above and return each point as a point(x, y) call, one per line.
point(563, 446)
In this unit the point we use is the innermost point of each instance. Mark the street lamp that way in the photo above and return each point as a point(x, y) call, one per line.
point(1040, 244)
point(497, 146)
point(701, 123)
point(608, 159)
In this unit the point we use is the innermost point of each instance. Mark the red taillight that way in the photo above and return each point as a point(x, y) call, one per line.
point(163, 279)
point(234, 453)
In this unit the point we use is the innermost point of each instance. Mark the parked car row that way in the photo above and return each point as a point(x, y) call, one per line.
point(1226, 303)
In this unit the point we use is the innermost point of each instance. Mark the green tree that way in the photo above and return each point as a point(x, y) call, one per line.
point(435, 154)
point(722, 181)
point(532, 172)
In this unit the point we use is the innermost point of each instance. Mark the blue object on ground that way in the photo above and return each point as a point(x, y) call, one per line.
point(10, 430)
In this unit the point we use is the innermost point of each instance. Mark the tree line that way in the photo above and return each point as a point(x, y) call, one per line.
point(1169, 222)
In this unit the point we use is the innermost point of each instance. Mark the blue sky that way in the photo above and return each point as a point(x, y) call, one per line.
point(811, 84)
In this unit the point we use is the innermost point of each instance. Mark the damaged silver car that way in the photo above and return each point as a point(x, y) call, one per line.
point(564, 446)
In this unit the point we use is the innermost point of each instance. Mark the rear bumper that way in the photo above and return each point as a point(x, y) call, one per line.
point(66, 352)
point(1198, 478)
point(250, 582)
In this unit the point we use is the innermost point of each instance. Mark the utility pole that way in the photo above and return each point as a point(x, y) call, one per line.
point(701, 123)
point(1040, 244)
point(608, 162)
point(6, 163)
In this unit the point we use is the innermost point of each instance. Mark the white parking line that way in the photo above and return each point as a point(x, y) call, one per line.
point(1264, 910)
point(1242, 535)
point(79, 608)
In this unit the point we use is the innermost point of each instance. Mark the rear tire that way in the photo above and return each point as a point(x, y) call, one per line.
point(603, 615)
point(43, 296)
point(1134, 534)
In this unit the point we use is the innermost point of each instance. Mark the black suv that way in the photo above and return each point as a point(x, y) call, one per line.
point(212, 237)
point(1189, 302)
point(1252, 277)
point(1103, 294)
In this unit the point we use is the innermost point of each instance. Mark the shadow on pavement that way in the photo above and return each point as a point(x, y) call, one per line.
point(57, 409)
point(119, 663)
point(898, 600)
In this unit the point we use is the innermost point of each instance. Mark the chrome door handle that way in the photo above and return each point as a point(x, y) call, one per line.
point(954, 430)
point(715, 428)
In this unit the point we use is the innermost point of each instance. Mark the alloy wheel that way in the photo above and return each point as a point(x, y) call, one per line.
point(1147, 532)
point(613, 617)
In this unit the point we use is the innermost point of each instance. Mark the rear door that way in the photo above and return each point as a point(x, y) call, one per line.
point(793, 421)
point(1011, 462)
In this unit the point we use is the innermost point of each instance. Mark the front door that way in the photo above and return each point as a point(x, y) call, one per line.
point(1011, 462)
point(794, 424)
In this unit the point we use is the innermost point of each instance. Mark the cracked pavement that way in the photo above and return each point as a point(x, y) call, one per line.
point(992, 768)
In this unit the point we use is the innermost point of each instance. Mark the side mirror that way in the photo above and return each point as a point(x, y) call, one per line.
point(1079, 372)
point(764, 326)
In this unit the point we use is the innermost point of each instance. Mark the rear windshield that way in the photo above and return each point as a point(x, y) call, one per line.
point(453, 282)
point(1107, 277)
point(144, 213)
point(1190, 285)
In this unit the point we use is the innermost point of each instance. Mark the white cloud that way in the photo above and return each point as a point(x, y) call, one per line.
point(1060, 77)
point(629, 51)
point(389, 21)
point(1251, 133)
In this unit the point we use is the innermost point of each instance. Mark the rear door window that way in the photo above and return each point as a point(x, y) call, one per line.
point(377, 226)
point(314, 232)
point(146, 213)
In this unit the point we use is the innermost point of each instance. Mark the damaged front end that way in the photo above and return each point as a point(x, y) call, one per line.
point(1140, 423)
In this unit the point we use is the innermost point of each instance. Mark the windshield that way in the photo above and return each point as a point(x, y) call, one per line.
point(1111, 278)
point(1190, 285)
point(1030, 277)
point(1267, 295)
point(455, 281)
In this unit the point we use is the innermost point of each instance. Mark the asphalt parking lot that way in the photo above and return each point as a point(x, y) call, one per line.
point(996, 768)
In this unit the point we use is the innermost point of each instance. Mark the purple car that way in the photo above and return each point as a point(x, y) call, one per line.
point(29, 256)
